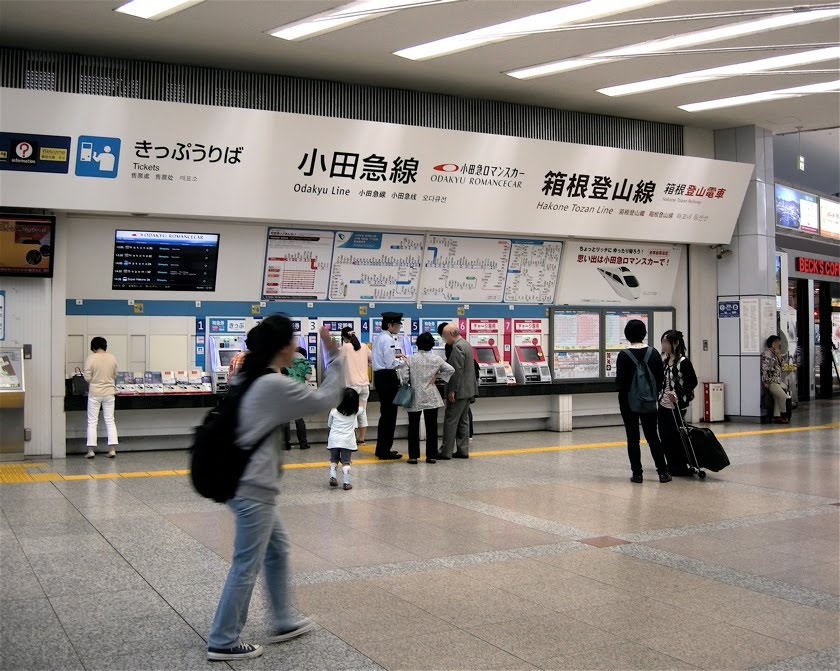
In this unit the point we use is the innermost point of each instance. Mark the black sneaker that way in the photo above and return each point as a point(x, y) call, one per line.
point(665, 477)
point(298, 629)
point(333, 482)
point(637, 477)
point(241, 651)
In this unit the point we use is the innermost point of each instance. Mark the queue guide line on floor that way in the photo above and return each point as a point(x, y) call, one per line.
point(20, 473)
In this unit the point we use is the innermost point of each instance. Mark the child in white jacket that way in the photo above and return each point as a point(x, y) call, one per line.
point(342, 424)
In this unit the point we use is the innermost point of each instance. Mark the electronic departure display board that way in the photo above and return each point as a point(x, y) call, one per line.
point(163, 261)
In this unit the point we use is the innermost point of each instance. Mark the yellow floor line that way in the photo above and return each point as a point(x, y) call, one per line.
point(19, 473)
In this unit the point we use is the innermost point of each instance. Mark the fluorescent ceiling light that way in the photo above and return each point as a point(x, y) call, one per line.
point(719, 34)
point(780, 94)
point(734, 70)
point(526, 25)
point(346, 15)
point(155, 9)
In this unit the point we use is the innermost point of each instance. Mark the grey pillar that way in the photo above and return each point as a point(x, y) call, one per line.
point(747, 275)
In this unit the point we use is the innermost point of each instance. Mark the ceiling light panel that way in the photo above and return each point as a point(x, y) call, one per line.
point(779, 94)
point(723, 72)
point(709, 36)
point(526, 25)
point(155, 9)
point(347, 15)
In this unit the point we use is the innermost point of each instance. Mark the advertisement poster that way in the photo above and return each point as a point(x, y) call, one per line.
point(618, 273)
point(26, 246)
point(830, 218)
point(176, 159)
point(797, 209)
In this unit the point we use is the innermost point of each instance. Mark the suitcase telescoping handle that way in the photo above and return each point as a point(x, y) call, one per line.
point(682, 429)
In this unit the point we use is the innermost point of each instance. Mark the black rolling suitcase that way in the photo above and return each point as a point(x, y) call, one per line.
point(702, 449)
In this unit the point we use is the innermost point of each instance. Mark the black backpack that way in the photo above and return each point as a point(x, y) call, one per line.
point(217, 463)
point(642, 397)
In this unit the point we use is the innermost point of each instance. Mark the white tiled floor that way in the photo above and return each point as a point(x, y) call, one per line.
point(472, 564)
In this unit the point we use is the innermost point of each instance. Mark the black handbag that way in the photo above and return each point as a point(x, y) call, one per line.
point(78, 384)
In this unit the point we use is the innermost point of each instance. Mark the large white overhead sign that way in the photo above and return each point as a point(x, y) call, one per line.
point(93, 153)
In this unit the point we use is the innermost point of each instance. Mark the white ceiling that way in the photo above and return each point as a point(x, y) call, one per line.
point(232, 34)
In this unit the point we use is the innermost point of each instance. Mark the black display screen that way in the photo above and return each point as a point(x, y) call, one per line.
point(485, 355)
point(528, 354)
point(153, 260)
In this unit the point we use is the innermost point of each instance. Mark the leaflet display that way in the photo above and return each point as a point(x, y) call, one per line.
point(576, 365)
point(297, 264)
point(467, 270)
point(614, 323)
point(369, 266)
point(532, 271)
point(164, 261)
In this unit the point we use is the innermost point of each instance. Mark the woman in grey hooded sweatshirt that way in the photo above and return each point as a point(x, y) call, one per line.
point(261, 539)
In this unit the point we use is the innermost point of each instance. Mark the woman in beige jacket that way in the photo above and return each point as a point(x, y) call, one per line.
point(101, 373)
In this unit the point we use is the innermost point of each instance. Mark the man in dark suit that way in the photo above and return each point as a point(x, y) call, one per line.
point(461, 390)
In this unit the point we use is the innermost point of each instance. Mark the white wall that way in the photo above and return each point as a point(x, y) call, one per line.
point(29, 321)
point(91, 254)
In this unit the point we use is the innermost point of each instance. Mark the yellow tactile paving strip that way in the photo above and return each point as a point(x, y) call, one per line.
point(19, 473)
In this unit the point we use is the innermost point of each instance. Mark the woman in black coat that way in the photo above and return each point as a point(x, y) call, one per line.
point(677, 393)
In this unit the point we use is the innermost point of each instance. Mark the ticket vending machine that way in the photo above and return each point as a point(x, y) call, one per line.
point(221, 348)
point(431, 326)
point(334, 326)
point(485, 336)
point(491, 368)
point(530, 365)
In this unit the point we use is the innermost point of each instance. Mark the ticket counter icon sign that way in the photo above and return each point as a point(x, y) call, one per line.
point(98, 156)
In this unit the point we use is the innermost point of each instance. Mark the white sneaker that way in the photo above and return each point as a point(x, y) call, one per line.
point(112, 453)
point(90, 454)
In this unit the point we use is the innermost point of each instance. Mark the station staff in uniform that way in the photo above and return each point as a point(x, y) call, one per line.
point(385, 362)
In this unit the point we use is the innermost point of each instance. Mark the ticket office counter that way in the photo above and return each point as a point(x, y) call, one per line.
point(147, 422)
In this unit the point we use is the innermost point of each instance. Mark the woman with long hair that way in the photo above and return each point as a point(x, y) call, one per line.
point(357, 359)
point(260, 539)
point(677, 393)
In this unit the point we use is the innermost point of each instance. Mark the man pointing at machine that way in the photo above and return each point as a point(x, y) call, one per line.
point(385, 362)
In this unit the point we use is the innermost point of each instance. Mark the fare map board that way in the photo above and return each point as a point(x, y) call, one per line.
point(465, 270)
point(532, 271)
point(576, 343)
point(369, 266)
point(297, 264)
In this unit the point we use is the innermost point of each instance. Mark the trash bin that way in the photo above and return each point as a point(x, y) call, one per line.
point(713, 402)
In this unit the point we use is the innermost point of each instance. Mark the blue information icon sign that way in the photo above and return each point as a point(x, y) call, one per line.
point(97, 156)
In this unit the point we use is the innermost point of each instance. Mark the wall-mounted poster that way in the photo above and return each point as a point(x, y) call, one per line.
point(830, 218)
point(297, 264)
point(797, 210)
point(618, 273)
